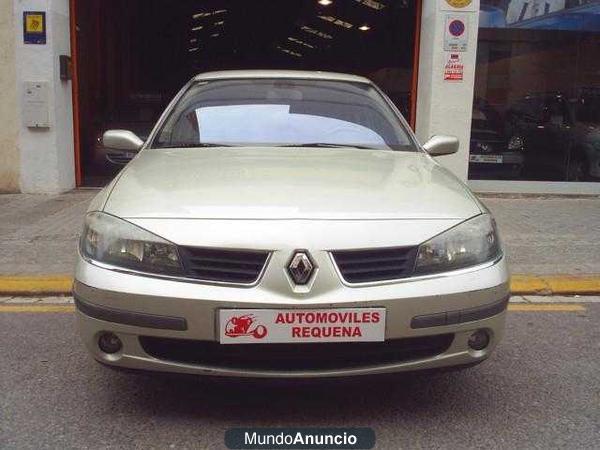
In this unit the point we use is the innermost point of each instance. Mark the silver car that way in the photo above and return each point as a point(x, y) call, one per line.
point(287, 224)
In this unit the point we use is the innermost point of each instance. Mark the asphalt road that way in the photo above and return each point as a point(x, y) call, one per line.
point(540, 390)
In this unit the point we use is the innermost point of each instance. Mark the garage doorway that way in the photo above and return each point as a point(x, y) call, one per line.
point(132, 56)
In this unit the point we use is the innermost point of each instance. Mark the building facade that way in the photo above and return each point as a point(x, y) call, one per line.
point(517, 81)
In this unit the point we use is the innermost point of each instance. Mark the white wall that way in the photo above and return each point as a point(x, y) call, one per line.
point(444, 107)
point(47, 155)
point(9, 129)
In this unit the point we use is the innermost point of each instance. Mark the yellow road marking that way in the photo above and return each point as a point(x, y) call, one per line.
point(16, 308)
point(555, 284)
point(546, 307)
point(32, 285)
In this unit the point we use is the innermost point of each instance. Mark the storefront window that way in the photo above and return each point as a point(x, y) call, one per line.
point(536, 112)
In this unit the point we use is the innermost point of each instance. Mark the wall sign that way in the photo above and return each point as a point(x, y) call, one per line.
point(36, 109)
point(34, 27)
point(458, 5)
point(456, 34)
point(454, 68)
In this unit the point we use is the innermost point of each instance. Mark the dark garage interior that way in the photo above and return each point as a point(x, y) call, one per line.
point(134, 55)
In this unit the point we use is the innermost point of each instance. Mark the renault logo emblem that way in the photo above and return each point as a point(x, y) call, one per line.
point(301, 267)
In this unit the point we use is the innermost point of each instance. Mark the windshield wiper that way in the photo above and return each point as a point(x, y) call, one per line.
point(197, 145)
point(329, 144)
point(308, 144)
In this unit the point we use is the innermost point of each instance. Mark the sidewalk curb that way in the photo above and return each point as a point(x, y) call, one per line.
point(555, 284)
point(520, 284)
point(25, 285)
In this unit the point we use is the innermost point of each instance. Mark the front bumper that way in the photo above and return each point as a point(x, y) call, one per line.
point(140, 309)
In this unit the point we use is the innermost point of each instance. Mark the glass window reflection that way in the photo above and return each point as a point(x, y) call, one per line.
point(538, 85)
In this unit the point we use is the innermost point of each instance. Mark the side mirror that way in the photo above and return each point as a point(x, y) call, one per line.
point(439, 145)
point(122, 140)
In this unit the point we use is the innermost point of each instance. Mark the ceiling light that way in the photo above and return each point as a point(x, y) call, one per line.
point(193, 49)
point(378, 6)
point(201, 15)
point(289, 52)
point(336, 21)
point(214, 35)
point(300, 42)
point(219, 23)
point(193, 41)
point(364, 28)
point(316, 32)
point(198, 28)
point(325, 2)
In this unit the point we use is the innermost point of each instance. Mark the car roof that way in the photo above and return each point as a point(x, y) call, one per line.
point(283, 74)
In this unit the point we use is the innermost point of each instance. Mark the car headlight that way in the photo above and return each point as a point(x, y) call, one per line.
point(470, 243)
point(114, 241)
point(516, 143)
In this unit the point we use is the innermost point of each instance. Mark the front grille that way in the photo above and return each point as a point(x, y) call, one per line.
point(323, 356)
point(363, 266)
point(226, 266)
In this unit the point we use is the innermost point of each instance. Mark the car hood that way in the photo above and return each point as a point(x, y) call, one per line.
point(288, 183)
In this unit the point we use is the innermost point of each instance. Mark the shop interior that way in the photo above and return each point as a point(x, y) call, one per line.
point(134, 55)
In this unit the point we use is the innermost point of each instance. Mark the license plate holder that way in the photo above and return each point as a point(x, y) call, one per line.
point(486, 159)
point(273, 326)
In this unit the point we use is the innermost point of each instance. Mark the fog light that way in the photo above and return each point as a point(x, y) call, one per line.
point(479, 340)
point(109, 343)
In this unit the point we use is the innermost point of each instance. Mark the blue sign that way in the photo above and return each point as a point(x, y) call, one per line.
point(456, 27)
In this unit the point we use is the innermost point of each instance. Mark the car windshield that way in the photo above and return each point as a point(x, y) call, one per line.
point(283, 112)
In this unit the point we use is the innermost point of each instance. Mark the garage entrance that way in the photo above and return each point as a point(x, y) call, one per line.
point(132, 56)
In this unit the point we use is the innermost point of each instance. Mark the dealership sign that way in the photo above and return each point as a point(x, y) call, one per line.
point(454, 68)
point(270, 326)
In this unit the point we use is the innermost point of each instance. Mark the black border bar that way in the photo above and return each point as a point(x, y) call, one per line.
point(459, 316)
point(130, 318)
